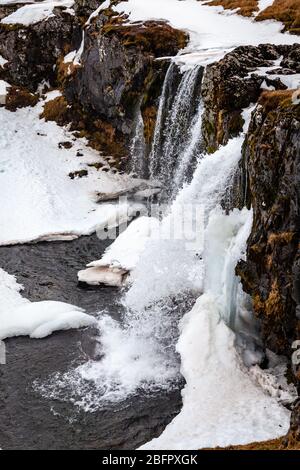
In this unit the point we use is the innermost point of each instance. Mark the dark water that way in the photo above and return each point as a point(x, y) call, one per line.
point(29, 421)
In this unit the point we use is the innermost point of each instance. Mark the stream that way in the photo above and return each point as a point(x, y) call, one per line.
point(48, 271)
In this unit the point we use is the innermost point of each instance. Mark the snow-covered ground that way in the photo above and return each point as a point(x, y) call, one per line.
point(19, 317)
point(38, 199)
point(212, 33)
point(35, 12)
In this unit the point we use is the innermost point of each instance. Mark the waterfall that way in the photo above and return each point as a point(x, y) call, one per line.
point(179, 115)
point(139, 353)
point(138, 147)
point(184, 297)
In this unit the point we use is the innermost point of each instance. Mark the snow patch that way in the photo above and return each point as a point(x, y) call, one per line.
point(36, 12)
point(39, 200)
point(20, 317)
point(4, 87)
point(211, 34)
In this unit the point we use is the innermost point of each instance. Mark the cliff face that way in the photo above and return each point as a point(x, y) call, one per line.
point(114, 74)
point(234, 82)
point(32, 51)
point(271, 165)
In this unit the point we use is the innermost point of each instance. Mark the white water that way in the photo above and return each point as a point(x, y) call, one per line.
point(139, 353)
point(178, 116)
point(138, 147)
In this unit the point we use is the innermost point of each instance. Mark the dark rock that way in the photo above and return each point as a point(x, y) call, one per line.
point(270, 183)
point(231, 85)
point(78, 174)
point(32, 51)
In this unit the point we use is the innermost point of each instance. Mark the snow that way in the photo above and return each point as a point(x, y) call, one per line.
point(122, 256)
point(4, 86)
point(39, 200)
point(127, 248)
point(20, 317)
point(263, 4)
point(221, 404)
point(211, 34)
point(36, 12)
point(2, 61)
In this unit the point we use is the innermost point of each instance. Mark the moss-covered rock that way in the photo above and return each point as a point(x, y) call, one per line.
point(271, 167)
point(231, 85)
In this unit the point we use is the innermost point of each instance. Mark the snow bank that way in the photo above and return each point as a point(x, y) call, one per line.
point(36, 12)
point(4, 86)
point(221, 404)
point(212, 34)
point(2, 61)
point(20, 317)
point(122, 256)
point(39, 200)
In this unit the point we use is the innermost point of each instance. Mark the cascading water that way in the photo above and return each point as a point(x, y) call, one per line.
point(138, 147)
point(177, 137)
point(176, 267)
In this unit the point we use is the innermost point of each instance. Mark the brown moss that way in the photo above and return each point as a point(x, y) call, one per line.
point(56, 110)
point(155, 37)
point(282, 238)
point(245, 7)
point(286, 11)
point(273, 304)
point(19, 98)
point(149, 117)
point(65, 70)
point(273, 99)
point(275, 444)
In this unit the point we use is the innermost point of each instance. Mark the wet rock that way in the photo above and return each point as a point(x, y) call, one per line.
point(270, 183)
point(119, 74)
point(32, 51)
point(231, 85)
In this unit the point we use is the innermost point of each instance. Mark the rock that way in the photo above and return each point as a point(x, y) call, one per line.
point(78, 174)
point(270, 179)
point(231, 85)
point(32, 51)
point(119, 74)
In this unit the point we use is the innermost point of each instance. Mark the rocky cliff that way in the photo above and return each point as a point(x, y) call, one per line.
point(114, 72)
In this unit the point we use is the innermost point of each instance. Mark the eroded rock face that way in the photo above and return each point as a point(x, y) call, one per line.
point(32, 51)
point(119, 72)
point(233, 83)
point(271, 183)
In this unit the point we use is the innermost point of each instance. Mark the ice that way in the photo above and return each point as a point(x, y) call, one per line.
point(221, 404)
point(19, 317)
point(122, 256)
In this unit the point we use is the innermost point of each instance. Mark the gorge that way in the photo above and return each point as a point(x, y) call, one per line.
point(152, 147)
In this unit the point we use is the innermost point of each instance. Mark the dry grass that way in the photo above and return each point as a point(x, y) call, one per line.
point(274, 99)
point(245, 7)
point(283, 238)
point(56, 110)
point(275, 444)
point(286, 11)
